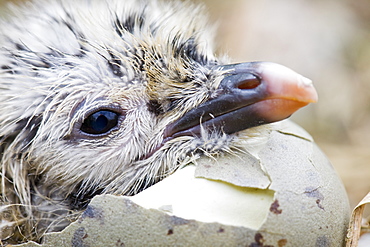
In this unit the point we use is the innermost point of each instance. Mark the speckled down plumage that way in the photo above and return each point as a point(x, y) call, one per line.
point(147, 61)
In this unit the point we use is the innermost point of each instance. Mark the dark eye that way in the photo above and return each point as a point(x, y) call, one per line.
point(100, 122)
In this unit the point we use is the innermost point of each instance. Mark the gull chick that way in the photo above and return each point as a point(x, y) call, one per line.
point(112, 96)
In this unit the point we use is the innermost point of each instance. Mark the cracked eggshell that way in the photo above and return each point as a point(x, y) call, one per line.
point(287, 194)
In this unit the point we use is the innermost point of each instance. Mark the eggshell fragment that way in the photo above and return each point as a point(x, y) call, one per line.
point(289, 196)
point(186, 196)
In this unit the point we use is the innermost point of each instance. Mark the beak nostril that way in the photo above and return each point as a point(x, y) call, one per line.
point(249, 83)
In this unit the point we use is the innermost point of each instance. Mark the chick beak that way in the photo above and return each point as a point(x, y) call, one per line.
point(250, 94)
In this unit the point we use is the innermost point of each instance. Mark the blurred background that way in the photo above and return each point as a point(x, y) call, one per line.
point(327, 41)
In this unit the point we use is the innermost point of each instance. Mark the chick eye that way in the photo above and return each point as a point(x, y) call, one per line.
point(100, 122)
